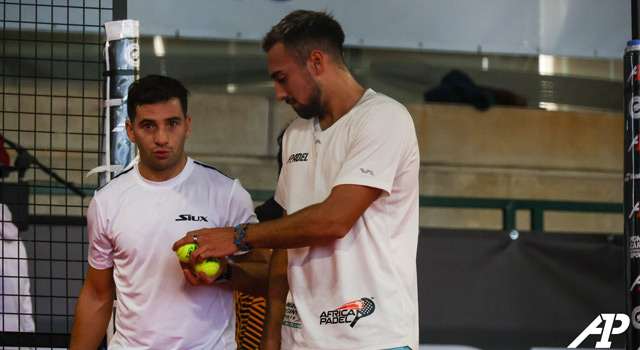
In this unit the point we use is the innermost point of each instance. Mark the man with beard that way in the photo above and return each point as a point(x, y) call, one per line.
point(343, 275)
point(134, 219)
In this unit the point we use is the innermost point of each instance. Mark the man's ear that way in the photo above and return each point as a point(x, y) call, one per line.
point(316, 62)
point(188, 121)
point(130, 134)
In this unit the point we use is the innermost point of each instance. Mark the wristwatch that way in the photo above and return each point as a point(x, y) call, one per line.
point(226, 276)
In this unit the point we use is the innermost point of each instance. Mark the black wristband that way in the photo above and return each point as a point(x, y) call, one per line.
point(225, 277)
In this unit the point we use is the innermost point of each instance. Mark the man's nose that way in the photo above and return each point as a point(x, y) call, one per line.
point(161, 136)
point(281, 93)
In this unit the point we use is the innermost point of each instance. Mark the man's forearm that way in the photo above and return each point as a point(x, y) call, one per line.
point(90, 321)
point(309, 226)
point(94, 309)
point(276, 299)
point(316, 224)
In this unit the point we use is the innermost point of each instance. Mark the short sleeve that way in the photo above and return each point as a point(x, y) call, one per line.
point(281, 187)
point(280, 190)
point(240, 208)
point(376, 148)
point(100, 247)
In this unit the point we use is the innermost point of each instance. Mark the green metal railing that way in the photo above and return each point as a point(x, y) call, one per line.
point(509, 207)
point(537, 208)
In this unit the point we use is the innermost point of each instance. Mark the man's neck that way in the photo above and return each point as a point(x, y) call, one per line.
point(340, 102)
point(156, 175)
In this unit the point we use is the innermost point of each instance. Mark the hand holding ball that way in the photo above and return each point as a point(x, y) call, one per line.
point(210, 266)
point(184, 252)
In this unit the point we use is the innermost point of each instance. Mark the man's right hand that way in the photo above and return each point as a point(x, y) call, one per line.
point(212, 243)
point(196, 280)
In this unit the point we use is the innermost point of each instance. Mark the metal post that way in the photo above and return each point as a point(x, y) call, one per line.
point(537, 219)
point(631, 202)
point(509, 216)
point(119, 10)
point(122, 62)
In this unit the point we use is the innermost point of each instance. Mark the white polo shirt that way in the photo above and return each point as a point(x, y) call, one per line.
point(358, 292)
point(132, 225)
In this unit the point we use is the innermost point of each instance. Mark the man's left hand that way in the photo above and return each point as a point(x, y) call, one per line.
point(195, 280)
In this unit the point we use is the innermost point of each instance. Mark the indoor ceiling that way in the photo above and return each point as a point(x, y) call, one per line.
point(241, 67)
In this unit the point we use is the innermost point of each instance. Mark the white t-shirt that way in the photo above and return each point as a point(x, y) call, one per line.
point(358, 292)
point(15, 306)
point(132, 224)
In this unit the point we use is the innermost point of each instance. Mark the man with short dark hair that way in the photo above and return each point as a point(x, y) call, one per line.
point(132, 222)
point(349, 186)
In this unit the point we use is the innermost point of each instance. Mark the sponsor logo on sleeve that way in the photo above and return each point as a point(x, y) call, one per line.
point(367, 171)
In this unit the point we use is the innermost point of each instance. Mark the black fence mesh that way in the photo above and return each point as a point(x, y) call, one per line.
point(51, 85)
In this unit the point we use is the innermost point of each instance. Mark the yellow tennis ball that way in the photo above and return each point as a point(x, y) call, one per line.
point(184, 252)
point(210, 266)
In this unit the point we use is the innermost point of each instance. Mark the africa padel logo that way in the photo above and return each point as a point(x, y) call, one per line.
point(349, 313)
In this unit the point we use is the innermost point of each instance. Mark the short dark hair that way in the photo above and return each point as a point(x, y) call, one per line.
point(153, 89)
point(303, 31)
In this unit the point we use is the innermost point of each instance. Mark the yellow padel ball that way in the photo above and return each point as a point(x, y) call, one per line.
point(184, 252)
point(210, 266)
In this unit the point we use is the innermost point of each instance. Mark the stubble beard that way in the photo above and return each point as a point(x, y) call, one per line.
point(161, 165)
point(313, 108)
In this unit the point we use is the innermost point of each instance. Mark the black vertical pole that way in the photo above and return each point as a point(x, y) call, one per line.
point(119, 10)
point(635, 31)
point(631, 200)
